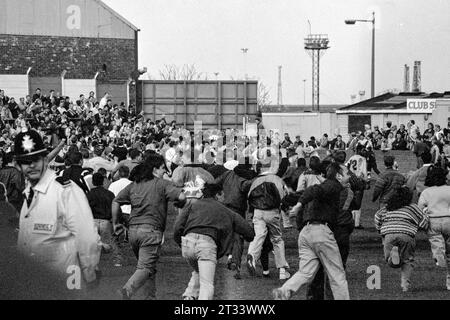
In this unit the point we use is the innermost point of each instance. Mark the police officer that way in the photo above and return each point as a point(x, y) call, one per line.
point(56, 224)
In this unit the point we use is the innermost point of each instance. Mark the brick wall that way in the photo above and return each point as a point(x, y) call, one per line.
point(406, 159)
point(81, 57)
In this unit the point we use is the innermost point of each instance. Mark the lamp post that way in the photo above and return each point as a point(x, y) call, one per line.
point(304, 92)
point(244, 51)
point(373, 48)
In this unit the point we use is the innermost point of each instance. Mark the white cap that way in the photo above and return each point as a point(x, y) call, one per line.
point(231, 164)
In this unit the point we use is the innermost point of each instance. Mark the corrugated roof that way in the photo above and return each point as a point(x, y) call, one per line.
point(390, 101)
point(118, 16)
point(299, 108)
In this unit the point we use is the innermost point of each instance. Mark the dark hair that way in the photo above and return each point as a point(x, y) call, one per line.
point(332, 170)
point(102, 171)
point(146, 172)
point(72, 148)
point(74, 158)
point(360, 149)
point(436, 176)
point(389, 161)
point(97, 179)
point(124, 172)
point(426, 157)
point(340, 157)
point(210, 190)
point(134, 153)
point(315, 164)
point(301, 162)
point(399, 198)
point(85, 153)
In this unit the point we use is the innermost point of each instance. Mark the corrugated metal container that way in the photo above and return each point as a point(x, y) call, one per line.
point(218, 104)
point(66, 18)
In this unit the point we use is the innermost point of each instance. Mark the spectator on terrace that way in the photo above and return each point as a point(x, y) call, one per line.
point(399, 143)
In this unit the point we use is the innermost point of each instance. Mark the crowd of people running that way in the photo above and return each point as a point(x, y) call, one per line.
point(128, 169)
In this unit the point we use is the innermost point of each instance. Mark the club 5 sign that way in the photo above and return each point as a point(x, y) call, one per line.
point(421, 105)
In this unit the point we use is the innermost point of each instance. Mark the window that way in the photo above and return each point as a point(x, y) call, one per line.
point(357, 122)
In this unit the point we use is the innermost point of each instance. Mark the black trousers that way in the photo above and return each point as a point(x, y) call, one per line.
point(320, 288)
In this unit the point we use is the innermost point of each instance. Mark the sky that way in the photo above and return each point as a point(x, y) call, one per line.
point(211, 33)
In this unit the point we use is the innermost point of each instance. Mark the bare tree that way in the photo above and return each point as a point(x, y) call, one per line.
point(186, 72)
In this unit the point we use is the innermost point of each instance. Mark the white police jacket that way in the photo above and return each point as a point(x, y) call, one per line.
point(58, 228)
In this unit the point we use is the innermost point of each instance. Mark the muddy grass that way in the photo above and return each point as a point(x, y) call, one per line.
point(428, 281)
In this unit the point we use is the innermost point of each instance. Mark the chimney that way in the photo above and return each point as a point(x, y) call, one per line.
point(417, 80)
point(353, 97)
point(406, 83)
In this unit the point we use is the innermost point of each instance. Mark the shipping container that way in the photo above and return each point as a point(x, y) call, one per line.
point(218, 104)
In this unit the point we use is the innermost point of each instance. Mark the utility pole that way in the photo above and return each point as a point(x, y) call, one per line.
point(280, 88)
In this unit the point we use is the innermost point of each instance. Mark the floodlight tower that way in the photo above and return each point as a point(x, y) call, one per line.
point(315, 45)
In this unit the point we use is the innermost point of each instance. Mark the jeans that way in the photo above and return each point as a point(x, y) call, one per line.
point(317, 246)
point(406, 246)
point(200, 252)
point(264, 221)
point(439, 237)
point(320, 287)
point(145, 241)
point(110, 242)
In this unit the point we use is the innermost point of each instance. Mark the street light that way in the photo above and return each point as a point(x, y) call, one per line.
point(244, 51)
point(304, 92)
point(351, 22)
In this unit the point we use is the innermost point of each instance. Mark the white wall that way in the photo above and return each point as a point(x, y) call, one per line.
point(15, 85)
point(74, 87)
point(303, 124)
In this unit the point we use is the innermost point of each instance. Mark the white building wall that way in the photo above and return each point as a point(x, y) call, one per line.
point(303, 124)
point(74, 87)
point(15, 85)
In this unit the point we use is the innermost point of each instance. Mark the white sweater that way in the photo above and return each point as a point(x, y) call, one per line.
point(436, 201)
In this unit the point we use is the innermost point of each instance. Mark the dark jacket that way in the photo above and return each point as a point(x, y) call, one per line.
point(209, 217)
point(345, 216)
point(14, 182)
point(76, 174)
point(235, 191)
point(100, 201)
point(322, 202)
point(386, 183)
point(399, 144)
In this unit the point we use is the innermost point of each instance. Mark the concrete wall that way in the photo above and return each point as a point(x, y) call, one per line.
point(303, 124)
point(15, 85)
